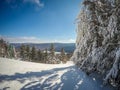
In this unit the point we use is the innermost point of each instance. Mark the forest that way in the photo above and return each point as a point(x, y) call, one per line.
point(32, 54)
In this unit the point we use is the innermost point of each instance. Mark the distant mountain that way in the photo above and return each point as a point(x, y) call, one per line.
point(68, 47)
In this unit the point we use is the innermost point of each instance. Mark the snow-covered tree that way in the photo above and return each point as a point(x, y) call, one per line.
point(11, 51)
point(46, 55)
point(39, 56)
point(52, 58)
point(2, 48)
point(22, 51)
point(52, 50)
point(63, 57)
point(98, 39)
point(7, 50)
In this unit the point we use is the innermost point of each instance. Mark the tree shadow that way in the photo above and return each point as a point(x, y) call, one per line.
point(5, 88)
point(32, 86)
point(21, 77)
point(72, 79)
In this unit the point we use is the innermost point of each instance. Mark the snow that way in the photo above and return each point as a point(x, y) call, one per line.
point(21, 75)
point(55, 52)
point(98, 38)
point(115, 68)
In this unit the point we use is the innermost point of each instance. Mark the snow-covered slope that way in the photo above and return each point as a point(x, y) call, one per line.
point(10, 66)
point(21, 75)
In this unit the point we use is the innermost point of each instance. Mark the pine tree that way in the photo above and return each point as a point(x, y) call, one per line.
point(7, 50)
point(46, 55)
point(3, 48)
point(33, 53)
point(52, 50)
point(98, 49)
point(22, 51)
point(27, 52)
point(63, 56)
point(39, 56)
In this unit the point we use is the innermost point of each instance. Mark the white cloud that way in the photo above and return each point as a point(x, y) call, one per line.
point(33, 40)
point(15, 4)
point(36, 2)
point(21, 39)
point(72, 40)
point(65, 41)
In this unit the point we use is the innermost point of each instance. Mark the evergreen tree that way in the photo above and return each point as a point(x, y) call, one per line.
point(98, 39)
point(7, 50)
point(11, 51)
point(46, 55)
point(3, 48)
point(69, 55)
point(22, 51)
point(28, 52)
point(52, 50)
point(33, 53)
point(1, 41)
point(39, 55)
point(63, 56)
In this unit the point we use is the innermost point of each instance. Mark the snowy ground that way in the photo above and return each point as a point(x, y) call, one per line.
point(20, 75)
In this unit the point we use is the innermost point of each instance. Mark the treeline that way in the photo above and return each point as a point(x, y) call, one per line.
point(32, 54)
point(7, 50)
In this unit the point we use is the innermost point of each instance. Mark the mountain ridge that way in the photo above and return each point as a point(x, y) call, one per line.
point(68, 47)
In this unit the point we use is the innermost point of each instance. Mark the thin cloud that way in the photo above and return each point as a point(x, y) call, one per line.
point(22, 3)
point(33, 40)
point(36, 2)
point(21, 39)
point(65, 41)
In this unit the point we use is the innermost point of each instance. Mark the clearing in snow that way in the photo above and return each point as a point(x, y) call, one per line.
point(21, 75)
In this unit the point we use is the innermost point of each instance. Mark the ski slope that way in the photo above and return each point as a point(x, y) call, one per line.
point(21, 75)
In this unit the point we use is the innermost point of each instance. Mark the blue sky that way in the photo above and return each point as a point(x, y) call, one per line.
point(38, 21)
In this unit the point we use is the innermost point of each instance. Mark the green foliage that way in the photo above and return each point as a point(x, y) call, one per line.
point(63, 56)
point(46, 55)
point(33, 53)
point(11, 52)
point(39, 55)
point(22, 51)
point(52, 50)
point(28, 52)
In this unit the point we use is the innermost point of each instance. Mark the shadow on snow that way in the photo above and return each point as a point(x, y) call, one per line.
point(73, 79)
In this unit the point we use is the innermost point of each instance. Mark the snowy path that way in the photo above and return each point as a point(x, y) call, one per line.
point(20, 75)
